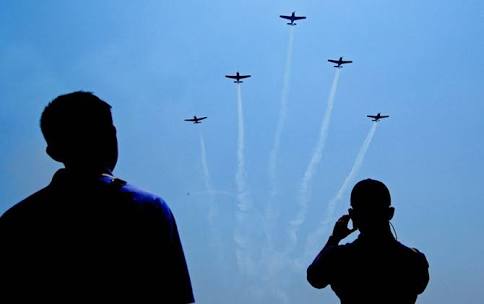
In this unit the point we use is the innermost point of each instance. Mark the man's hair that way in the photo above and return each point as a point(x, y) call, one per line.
point(74, 116)
point(370, 194)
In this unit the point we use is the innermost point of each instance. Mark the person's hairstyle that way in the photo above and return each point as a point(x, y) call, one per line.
point(370, 194)
point(76, 116)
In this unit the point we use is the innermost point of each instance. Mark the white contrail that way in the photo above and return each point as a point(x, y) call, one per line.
point(314, 239)
point(270, 212)
point(240, 177)
point(304, 192)
point(244, 205)
point(207, 180)
point(354, 170)
point(282, 114)
point(215, 237)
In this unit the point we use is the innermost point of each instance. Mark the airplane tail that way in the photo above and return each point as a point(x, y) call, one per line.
point(238, 81)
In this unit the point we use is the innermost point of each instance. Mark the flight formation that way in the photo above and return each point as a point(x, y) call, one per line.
point(250, 218)
point(338, 64)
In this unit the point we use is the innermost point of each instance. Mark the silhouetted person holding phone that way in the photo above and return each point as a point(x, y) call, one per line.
point(375, 268)
point(88, 235)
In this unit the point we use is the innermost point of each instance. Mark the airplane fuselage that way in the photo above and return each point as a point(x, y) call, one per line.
point(237, 77)
point(195, 119)
point(292, 18)
point(339, 63)
point(377, 117)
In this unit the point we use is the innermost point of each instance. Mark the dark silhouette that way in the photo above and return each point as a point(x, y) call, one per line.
point(195, 119)
point(375, 268)
point(339, 62)
point(237, 77)
point(88, 235)
point(377, 117)
point(292, 18)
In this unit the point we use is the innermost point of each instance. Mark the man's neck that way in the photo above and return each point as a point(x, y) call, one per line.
point(382, 234)
point(87, 171)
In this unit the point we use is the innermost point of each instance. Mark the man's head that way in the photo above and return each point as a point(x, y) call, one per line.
point(79, 131)
point(371, 206)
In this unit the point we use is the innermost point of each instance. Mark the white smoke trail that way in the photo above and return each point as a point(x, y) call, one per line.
point(244, 205)
point(240, 177)
point(314, 239)
point(282, 114)
point(270, 215)
point(304, 192)
point(214, 234)
point(354, 170)
point(212, 209)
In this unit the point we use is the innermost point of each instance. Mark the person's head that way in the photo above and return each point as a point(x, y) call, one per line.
point(371, 208)
point(79, 132)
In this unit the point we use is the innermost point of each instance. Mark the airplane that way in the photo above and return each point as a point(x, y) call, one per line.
point(339, 62)
point(293, 18)
point(237, 77)
point(377, 117)
point(195, 119)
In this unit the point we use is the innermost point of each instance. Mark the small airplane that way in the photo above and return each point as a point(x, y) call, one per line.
point(293, 18)
point(377, 117)
point(195, 119)
point(237, 77)
point(339, 62)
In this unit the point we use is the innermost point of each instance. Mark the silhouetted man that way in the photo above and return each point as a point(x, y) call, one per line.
point(375, 268)
point(88, 235)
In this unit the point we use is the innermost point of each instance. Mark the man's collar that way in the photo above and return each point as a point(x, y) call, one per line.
point(63, 176)
point(376, 238)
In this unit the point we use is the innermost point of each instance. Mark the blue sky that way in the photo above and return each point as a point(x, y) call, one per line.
point(159, 62)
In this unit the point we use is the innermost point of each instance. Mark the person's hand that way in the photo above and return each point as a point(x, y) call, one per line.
point(341, 230)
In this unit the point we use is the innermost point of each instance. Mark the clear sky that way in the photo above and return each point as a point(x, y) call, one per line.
point(158, 62)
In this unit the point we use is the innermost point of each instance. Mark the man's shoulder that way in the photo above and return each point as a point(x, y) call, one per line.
point(413, 254)
point(400, 249)
point(141, 197)
point(27, 205)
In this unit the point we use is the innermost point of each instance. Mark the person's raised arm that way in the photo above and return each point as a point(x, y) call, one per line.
point(322, 269)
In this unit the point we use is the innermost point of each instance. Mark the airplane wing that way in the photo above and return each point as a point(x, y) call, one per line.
point(372, 116)
point(285, 17)
point(244, 76)
point(333, 61)
point(189, 119)
point(202, 118)
point(231, 77)
point(384, 116)
point(299, 18)
point(346, 61)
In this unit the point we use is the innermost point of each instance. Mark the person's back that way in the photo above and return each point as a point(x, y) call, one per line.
point(375, 268)
point(89, 235)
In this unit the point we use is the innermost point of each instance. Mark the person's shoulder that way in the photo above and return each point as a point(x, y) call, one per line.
point(413, 254)
point(142, 197)
point(27, 205)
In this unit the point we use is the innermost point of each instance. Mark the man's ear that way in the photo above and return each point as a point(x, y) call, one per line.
point(55, 154)
point(391, 212)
